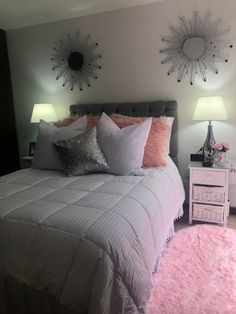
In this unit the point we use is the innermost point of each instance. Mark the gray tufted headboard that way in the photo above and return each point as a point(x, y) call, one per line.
point(139, 109)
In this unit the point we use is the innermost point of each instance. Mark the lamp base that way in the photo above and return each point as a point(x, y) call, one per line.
point(208, 145)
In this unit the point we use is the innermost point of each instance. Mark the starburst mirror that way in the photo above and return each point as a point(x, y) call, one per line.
point(75, 60)
point(195, 46)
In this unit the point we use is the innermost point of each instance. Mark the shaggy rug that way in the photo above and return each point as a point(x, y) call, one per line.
point(197, 273)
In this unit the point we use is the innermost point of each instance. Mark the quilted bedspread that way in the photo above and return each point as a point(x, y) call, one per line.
point(92, 241)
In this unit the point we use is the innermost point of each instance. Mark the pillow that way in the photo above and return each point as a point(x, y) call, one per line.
point(65, 122)
point(158, 142)
point(128, 120)
point(92, 121)
point(81, 154)
point(45, 156)
point(123, 148)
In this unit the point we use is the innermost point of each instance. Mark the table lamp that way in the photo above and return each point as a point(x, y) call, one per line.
point(44, 112)
point(209, 108)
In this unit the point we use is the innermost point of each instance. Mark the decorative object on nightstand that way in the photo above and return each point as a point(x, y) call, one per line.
point(198, 156)
point(31, 148)
point(220, 150)
point(44, 112)
point(208, 194)
point(209, 108)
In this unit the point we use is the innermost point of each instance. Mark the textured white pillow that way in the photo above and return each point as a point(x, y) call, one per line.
point(45, 156)
point(123, 148)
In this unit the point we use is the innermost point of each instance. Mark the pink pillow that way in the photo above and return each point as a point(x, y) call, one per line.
point(65, 122)
point(157, 146)
point(92, 121)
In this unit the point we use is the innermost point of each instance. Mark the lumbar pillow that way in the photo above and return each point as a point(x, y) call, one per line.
point(46, 156)
point(81, 154)
point(123, 148)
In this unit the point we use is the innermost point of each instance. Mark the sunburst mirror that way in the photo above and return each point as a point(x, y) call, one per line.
point(75, 60)
point(195, 46)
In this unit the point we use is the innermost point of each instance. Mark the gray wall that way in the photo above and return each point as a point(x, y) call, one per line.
point(129, 40)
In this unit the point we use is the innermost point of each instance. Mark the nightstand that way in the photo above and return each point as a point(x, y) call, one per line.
point(27, 161)
point(208, 194)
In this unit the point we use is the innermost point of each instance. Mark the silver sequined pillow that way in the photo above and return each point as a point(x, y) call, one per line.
point(81, 154)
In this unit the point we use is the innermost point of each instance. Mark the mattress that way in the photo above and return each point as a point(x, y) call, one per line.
point(92, 241)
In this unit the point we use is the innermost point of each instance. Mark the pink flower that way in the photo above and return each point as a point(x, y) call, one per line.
point(226, 146)
point(221, 147)
point(218, 146)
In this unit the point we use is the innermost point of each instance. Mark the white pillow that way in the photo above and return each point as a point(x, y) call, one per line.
point(123, 148)
point(45, 156)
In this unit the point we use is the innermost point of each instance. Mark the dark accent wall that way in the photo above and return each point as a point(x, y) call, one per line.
point(9, 156)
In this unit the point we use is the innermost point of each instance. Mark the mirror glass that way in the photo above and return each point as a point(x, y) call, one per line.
point(193, 48)
point(75, 60)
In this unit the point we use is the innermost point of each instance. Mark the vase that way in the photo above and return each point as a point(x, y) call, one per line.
point(220, 159)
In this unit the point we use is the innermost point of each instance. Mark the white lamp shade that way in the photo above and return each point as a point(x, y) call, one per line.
point(210, 108)
point(44, 112)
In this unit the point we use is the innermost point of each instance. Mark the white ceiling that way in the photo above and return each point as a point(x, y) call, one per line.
point(21, 13)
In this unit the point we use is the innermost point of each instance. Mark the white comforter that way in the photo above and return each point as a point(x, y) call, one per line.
point(92, 241)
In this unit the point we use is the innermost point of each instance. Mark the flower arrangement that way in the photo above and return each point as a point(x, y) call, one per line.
point(221, 147)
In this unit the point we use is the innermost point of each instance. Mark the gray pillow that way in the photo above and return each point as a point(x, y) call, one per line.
point(45, 156)
point(81, 154)
point(123, 148)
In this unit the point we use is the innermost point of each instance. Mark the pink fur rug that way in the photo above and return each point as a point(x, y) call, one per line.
point(197, 273)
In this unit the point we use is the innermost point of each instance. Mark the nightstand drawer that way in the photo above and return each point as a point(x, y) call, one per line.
point(203, 193)
point(208, 177)
point(208, 212)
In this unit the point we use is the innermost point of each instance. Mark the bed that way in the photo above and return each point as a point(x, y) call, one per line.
point(87, 244)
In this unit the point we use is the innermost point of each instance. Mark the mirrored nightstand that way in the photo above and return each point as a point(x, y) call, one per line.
point(208, 194)
point(27, 161)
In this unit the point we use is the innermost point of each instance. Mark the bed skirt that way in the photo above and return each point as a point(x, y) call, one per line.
point(17, 298)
